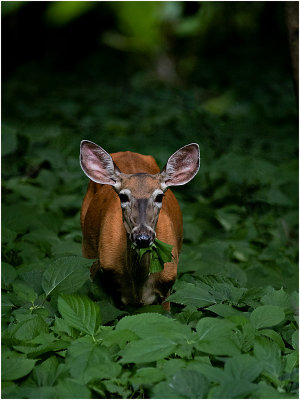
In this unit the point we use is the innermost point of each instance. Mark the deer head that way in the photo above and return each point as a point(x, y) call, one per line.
point(141, 194)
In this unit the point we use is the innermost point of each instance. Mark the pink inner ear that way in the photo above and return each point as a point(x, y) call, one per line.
point(182, 165)
point(97, 164)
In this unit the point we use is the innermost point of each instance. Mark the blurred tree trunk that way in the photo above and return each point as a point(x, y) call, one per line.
point(292, 22)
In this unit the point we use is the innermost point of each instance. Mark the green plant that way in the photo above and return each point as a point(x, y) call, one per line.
point(232, 331)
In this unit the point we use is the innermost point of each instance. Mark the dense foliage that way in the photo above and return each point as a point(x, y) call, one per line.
point(232, 331)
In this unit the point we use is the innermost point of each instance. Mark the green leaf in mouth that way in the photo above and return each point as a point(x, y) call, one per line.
point(159, 253)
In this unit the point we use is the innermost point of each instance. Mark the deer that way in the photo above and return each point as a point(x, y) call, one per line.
point(127, 205)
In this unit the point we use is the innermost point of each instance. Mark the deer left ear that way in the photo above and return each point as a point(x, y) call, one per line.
point(182, 166)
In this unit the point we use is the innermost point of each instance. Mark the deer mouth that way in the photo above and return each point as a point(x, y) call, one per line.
point(142, 239)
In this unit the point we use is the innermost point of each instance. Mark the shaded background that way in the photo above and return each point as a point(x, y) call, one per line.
point(151, 77)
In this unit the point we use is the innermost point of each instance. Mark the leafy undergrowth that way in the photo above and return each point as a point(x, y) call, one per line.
point(232, 330)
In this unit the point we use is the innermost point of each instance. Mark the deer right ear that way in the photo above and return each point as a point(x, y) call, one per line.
point(97, 164)
point(182, 166)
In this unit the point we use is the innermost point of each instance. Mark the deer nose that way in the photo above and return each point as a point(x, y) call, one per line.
point(142, 240)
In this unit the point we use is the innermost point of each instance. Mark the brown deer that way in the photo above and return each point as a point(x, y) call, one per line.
point(127, 206)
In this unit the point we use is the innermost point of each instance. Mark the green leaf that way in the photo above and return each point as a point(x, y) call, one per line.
point(277, 298)
point(32, 274)
point(117, 337)
point(274, 336)
point(233, 389)
point(163, 391)
point(30, 328)
point(8, 274)
point(295, 340)
point(16, 368)
point(151, 325)
point(224, 310)
point(267, 316)
point(71, 389)
point(268, 353)
point(242, 367)
point(66, 274)
point(44, 392)
point(61, 326)
point(89, 361)
point(164, 251)
point(147, 376)
point(192, 295)
point(109, 312)
point(291, 361)
point(80, 312)
point(189, 384)
point(147, 350)
point(215, 336)
point(24, 292)
point(45, 373)
point(160, 253)
point(45, 348)
point(244, 336)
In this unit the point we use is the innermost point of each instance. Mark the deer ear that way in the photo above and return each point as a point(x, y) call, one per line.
point(182, 166)
point(97, 164)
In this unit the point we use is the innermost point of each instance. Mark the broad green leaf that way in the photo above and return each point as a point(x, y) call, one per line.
point(267, 316)
point(267, 391)
point(147, 376)
point(242, 367)
point(8, 274)
point(295, 340)
point(58, 345)
point(215, 336)
point(32, 274)
point(147, 350)
point(80, 312)
point(268, 353)
point(189, 316)
point(45, 373)
point(291, 361)
point(159, 253)
point(149, 325)
point(24, 292)
point(277, 298)
point(224, 310)
point(244, 336)
point(233, 389)
point(117, 389)
point(163, 391)
point(117, 337)
point(71, 389)
point(43, 392)
point(61, 326)
point(189, 384)
point(275, 336)
point(212, 374)
point(30, 328)
point(16, 368)
point(109, 312)
point(164, 251)
point(192, 295)
point(66, 275)
point(89, 361)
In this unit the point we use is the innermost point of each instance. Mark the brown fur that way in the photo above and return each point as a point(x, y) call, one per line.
point(105, 238)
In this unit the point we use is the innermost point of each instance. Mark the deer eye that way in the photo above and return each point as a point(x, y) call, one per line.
point(159, 198)
point(124, 198)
